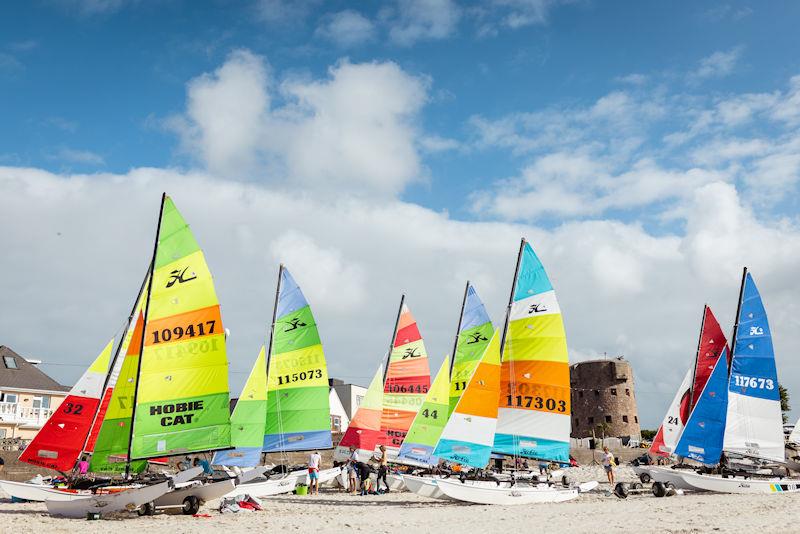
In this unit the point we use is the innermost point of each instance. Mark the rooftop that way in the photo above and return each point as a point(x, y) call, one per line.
point(18, 373)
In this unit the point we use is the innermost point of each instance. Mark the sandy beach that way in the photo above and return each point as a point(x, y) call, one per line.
point(404, 512)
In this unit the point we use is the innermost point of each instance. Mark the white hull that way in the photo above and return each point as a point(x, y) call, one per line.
point(481, 494)
point(40, 492)
point(740, 485)
point(395, 482)
point(325, 475)
point(128, 500)
point(204, 492)
point(667, 475)
point(265, 488)
point(424, 487)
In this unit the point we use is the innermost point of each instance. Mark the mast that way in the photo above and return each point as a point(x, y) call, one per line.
point(144, 335)
point(114, 359)
point(274, 316)
point(458, 330)
point(697, 357)
point(511, 298)
point(736, 319)
point(394, 338)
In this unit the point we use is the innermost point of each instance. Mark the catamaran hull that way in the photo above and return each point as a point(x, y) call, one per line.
point(667, 475)
point(40, 492)
point(203, 492)
point(265, 488)
point(128, 500)
point(395, 482)
point(324, 476)
point(741, 485)
point(480, 494)
point(424, 487)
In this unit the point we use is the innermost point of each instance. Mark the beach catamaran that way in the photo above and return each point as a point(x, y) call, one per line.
point(172, 394)
point(285, 402)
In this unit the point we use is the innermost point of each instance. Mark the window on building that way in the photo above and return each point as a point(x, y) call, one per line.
point(580, 394)
point(624, 418)
point(336, 423)
point(608, 419)
point(591, 420)
point(597, 393)
point(42, 402)
point(9, 397)
point(635, 418)
point(10, 362)
point(627, 392)
point(614, 391)
point(2, 433)
point(359, 398)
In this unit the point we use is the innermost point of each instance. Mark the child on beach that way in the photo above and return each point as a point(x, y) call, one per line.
point(608, 465)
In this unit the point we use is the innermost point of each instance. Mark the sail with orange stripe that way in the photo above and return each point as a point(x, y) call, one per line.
point(534, 405)
point(182, 398)
point(364, 430)
point(468, 436)
point(407, 381)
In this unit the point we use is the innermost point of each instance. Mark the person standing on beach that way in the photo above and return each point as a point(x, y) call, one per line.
point(351, 471)
point(314, 460)
point(608, 465)
point(383, 468)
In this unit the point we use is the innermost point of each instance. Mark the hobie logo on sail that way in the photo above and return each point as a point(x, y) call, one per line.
point(537, 308)
point(476, 338)
point(294, 324)
point(410, 352)
point(756, 331)
point(179, 276)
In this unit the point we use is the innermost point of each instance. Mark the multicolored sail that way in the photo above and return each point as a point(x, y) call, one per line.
point(534, 415)
point(674, 420)
point(754, 423)
point(701, 439)
point(712, 344)
point(474, 330)
point(425, 430)
point(113, 438)
point(60, 441)
point(364, 430)
point(182, 398)
point(468, 437)
point(408, 379)
point(298, 415)
point(247, 420)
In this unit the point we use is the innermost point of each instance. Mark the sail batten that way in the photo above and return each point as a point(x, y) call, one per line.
point(534, 404)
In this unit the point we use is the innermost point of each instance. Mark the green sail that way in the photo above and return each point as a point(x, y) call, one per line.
point(474, 332)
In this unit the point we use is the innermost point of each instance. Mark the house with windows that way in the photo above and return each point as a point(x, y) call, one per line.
point(350, 395)
point(27, 396)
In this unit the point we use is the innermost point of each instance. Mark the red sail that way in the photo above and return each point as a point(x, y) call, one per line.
point(712, 343)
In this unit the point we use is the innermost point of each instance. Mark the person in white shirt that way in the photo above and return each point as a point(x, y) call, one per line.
point(314, 460)
point(608, 465)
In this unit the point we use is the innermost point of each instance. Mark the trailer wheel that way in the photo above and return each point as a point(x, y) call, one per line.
point(191, 505)
point(659, 490)
point(621, 490)
point(147, 508)
point(645, 478)
point(636, 485)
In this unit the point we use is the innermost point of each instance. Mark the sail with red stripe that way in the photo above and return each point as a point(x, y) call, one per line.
point(364, 430)
point(712, 344)
point(61, 440)
point(408, 379)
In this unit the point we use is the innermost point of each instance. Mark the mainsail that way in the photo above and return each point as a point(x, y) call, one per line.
point(298, 394)
point(534, 404)
point(754, 422)
point(474, 330)
point(712, 343)
point(424, 432)
point(247, 420)
point(701, 439)
point(181, 398)
point(61, 440)
point(407, 380)
point(674, 420)
point(364, 430)
point(469, 434)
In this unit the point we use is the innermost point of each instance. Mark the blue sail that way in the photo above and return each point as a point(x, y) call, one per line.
point(702, 436)
point(754, 422)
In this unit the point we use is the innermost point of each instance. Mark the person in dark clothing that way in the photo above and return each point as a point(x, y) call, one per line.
point(363, 471)
point(383, 468)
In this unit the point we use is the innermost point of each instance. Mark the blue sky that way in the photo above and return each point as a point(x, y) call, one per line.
point(647, 149)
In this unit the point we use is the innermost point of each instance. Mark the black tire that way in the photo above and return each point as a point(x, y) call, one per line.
point(645, 478)
point(191, 505)
point(659, 489)
point(147, 509)
point(636, 486)
point(565, 481)
point(621, 490)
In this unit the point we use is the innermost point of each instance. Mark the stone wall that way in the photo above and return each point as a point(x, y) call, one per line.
point(603, 399)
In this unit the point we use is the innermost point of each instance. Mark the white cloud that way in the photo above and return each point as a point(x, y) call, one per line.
point(621, 289)
point(435, 143)
point(346, 28)
point(359, 123)
point(717, 65)
point(421, 20)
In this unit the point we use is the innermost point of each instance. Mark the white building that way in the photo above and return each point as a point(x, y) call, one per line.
point(350, 395)
point(339, 419)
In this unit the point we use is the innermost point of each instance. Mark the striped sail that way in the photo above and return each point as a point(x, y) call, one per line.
point(182, 398)
point(111, 447)
point(671, 427)
point(534, 415)
point(364, 430)
point(468, 437)
point(712, 344)
point(60, 441)
point(247, 420)
point(754, 423)
point(474, 330)
point(701, 439)
point(298, 415)
point(425, 430)
point(111, 381)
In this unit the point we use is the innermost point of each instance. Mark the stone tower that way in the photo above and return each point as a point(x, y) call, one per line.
point(604, 399)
